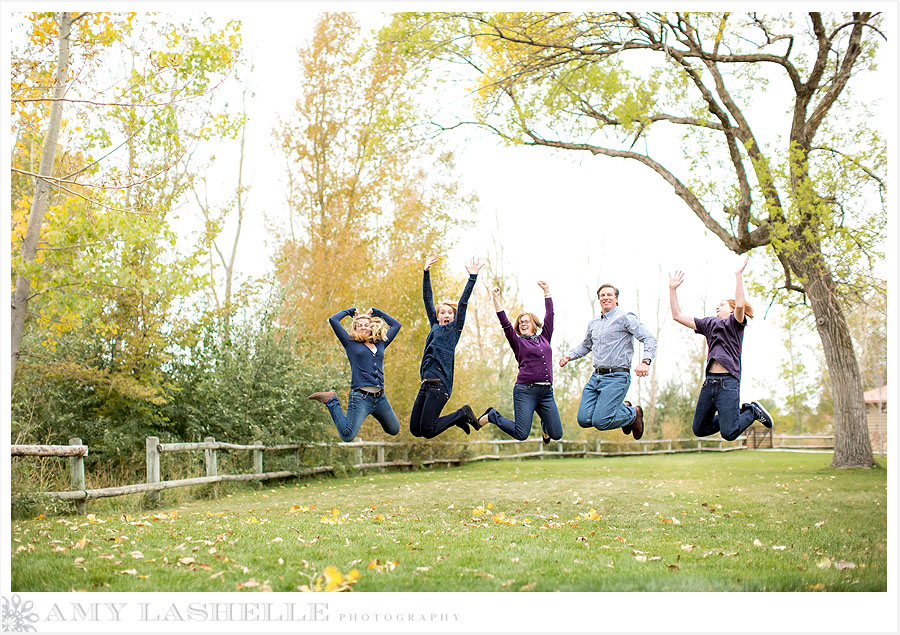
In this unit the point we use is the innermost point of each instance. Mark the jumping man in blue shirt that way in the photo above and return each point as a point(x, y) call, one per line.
point(610, 340)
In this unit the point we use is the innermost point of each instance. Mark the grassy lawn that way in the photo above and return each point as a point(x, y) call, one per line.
point(741, 521)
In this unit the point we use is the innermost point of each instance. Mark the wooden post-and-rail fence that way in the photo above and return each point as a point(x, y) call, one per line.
point(79, 494)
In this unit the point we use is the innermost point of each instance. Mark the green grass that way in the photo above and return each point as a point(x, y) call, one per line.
point(742, 521)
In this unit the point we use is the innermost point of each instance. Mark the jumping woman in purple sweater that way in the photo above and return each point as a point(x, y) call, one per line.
point(370, 333)
point(533, 391)
point(717, 407)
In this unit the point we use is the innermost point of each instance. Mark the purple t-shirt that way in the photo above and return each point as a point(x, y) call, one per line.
point(534, 354)
point(725, 339)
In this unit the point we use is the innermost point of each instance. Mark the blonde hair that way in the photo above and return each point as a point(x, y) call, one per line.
point(748, 308)
point(452, 305)
point(534, 320)
point(376, 324)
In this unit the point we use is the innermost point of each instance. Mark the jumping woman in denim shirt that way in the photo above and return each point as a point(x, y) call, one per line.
point(717, 407)
point(370, 333)
point(533, 391)
point(436, 371)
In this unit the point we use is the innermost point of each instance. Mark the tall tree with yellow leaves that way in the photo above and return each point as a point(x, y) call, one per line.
point(369, 199)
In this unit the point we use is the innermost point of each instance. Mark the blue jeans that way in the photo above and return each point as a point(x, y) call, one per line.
point(720, 392)
point(359, 407)
point(528, 399)
point(426, 420)
point(601, 402)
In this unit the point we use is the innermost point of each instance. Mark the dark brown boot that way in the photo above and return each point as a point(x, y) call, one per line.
point(638, 423)
point(626, 429)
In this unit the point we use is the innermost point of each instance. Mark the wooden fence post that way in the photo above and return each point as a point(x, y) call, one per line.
point(381, 457)
point(699, 446)
point(76, 471)
point(584, 447)
point(599, 445)
point(212, 464)
point(152, 497)
point(257, 458)
point(541, 450)
point(496, 448)
point(358, 454)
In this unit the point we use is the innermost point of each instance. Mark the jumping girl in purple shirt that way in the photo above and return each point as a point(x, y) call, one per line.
point(533, 391)
point(717, 407)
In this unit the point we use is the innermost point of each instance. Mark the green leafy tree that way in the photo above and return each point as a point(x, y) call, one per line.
point(95, 257)
point(622, 85)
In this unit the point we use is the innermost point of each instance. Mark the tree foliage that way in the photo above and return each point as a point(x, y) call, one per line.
point(364, 212)
point(107, 268)
point(800, 175)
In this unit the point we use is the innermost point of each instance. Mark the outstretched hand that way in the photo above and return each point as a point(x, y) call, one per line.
point(544, 287)
point(675, 279)
point(564, 360)
point(743, 265)
point(474, 265)
point(496, 293)
point(430, 261)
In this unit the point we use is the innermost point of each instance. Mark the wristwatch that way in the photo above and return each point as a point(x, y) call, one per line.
point(646, 361)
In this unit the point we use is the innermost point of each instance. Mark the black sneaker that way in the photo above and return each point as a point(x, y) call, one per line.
point(762, 414)
point(482, 420)
point(469, 420)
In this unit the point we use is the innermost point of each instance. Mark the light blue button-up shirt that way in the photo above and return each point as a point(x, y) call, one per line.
point(610, 337)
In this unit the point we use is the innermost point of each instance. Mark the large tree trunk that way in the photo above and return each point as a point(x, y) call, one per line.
point(851, 435)
point(41, 201)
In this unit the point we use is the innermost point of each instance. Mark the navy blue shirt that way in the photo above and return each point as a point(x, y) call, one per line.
point(366, 367)
point(725, 339)
point(440, 346)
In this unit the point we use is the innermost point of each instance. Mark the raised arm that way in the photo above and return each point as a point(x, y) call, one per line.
point(495, 296)
point(427, 296)
point(675, 280)
point(335, 322)
point(473, 267)
point(505, 324)
point(547, 330)
point(739, 301)
point(393, 324)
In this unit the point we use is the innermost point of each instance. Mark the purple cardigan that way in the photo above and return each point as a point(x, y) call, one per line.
point(535, 355)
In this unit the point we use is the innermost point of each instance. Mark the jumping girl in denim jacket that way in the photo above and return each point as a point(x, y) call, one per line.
point(370, 333)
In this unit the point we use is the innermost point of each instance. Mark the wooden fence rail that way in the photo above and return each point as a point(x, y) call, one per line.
point(470, 451)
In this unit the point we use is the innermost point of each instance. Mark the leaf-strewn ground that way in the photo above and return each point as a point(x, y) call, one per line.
point(742, 521)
